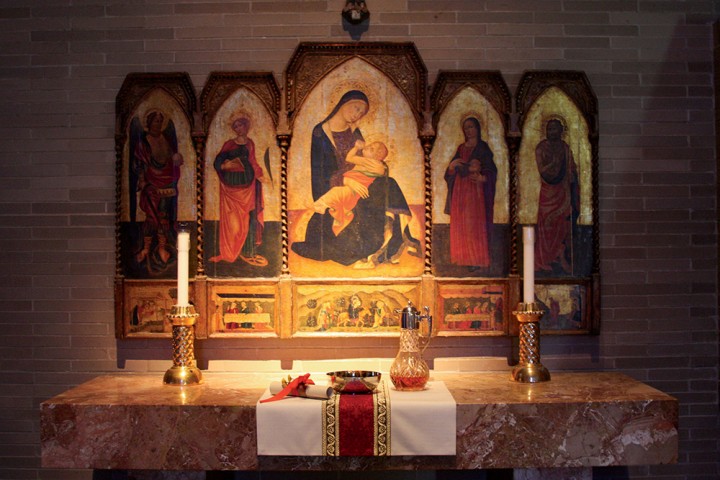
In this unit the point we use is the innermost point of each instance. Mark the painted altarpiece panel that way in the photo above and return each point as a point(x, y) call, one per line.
point(471, 175)
point(353, 105)
point(557, 182)
point(241, 209)
point(147, 305)
point(351, 309)
point(477, 308)
point(566, 307)
point(244, 310)
point(156, 180)
point(157, 171)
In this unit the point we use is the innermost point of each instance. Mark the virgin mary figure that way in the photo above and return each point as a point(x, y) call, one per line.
point(379, 231)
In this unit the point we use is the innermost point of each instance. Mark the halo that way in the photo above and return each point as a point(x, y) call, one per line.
point(240, 113)
point(472, 114)
point(345, 86)
point(144, 115)
point(480, 117)
point(554, 116)
point(377, 137)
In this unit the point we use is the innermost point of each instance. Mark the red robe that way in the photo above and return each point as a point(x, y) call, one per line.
point(470, 205)
point(240, 194)
point(558, 187)
point(159, 176)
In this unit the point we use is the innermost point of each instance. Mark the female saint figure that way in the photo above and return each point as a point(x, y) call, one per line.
point(241, 198)
point(471, 177)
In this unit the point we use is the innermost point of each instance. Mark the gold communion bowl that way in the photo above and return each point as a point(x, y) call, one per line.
point(354, 381)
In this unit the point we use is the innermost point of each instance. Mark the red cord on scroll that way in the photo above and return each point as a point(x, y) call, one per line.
point(294, 388)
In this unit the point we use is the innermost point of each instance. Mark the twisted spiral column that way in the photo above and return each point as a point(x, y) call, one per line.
point(283, 141)
point(529, 369)
point(529, 343)
point(427, 144)
point(183, 372)
point(199, 143)
point(183, 348)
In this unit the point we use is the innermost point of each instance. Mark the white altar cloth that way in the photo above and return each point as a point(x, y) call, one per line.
point(421, 423)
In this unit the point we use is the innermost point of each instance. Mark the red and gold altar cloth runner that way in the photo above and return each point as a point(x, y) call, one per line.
point(357, 425)
point(389, 422)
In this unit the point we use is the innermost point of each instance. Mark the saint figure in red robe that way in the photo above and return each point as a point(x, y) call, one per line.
point(471, 177)
point(557, 202)
point(241, 198)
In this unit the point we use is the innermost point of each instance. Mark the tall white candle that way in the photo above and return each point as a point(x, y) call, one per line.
point(183, 247)
point(528, 235)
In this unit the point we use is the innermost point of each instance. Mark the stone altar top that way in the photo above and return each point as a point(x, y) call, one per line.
point(133, 421)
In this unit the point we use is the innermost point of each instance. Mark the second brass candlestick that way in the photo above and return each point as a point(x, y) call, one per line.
point(529, 369)
point(183, 372)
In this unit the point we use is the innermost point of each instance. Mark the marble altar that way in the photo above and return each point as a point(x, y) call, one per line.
point(133, 421)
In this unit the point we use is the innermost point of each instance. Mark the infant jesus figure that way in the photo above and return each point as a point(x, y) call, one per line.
point(341, 200)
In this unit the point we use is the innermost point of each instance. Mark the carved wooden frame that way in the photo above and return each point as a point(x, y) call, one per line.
point(311, 61)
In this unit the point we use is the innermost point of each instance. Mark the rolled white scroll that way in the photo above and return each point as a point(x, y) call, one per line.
point(311, 391)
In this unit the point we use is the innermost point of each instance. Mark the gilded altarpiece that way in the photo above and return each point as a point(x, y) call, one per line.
point(156, 190)
point(557, 171)
point(241, 227)
point(320, 209)
point(471, 218)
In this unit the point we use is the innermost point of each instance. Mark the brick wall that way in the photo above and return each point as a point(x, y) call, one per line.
point(649, 61)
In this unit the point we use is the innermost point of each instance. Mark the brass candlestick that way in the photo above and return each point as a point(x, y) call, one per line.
point(529, 369)
point(183, 371)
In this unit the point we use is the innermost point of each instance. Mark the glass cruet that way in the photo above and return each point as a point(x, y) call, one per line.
point(409, 371)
